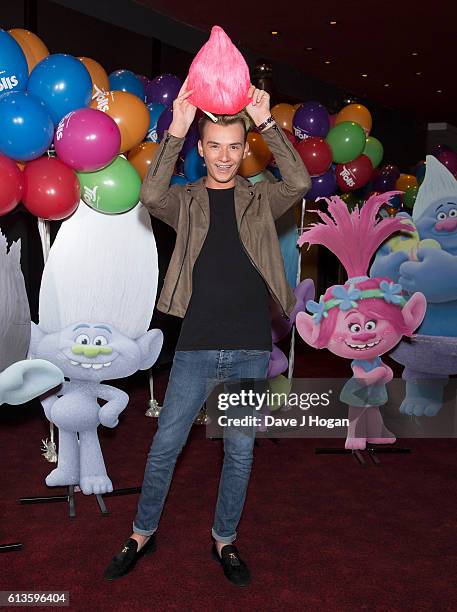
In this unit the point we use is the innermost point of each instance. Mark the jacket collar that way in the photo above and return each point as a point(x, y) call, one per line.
point(244, 192)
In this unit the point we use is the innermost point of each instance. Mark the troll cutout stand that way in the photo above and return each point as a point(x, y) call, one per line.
point(426, 261)
point(362, 319)
point(96, 301)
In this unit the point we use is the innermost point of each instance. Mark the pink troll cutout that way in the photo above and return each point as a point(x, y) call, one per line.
point(364, 318)
point(219, 76)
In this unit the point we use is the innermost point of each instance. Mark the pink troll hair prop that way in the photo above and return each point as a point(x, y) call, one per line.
point(219, 76)
point(353, 236)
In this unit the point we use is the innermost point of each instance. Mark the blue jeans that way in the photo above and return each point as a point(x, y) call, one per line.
point(193, 376)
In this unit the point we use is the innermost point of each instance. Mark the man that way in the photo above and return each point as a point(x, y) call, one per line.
point(225, 265)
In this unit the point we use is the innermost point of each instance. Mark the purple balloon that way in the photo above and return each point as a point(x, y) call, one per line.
point(448, 159)
point(163, 122)
point(311, 119)
point(163, 89)
point(322, 186)
point(143, 79)
point(440, 148)
point(384, 182)
point(391, 171)
point(192, 138)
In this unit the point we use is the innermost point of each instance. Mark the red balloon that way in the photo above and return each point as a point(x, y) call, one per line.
point(354, 174)
point(51, 189)
point(11, 185)
point(316, 155)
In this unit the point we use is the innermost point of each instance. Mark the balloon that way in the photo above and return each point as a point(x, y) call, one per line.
point(144, 79)
point(142, 156)
point(322, 186)
point(316, 155)
point(405, 181)
point(126, 80)
point(177, 179)
point(448, 159)
point(26, 127)
point(311, 119)
point(13, 65)
point(410, 195)
point(33, 47)
point(62, 82)
point(391, 171)
point(11, 185)
point(384, 182)
point(194, 166)
point(258, 157)
point(351, 200)
point(164, 121)
point(163, 89)
point(100, 81)
point(347, 141)
point(130, 114)
point(87, 140)
point(374, 150)
point(439, 148)
point(219, 76)
point(419, 171)
point(192, 138)
point(155, 110)
point(114, 189)
point(357, 113)
point(51, 189)
point(331, 120)
point(354, 174)
point(283, 114)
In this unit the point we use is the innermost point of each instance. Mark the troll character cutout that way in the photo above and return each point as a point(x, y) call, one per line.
point(96, 301)
point(362, 319)
point(430, 267)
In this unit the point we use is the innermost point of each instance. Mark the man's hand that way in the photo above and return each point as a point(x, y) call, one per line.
point(183, 113)
point(259, 107)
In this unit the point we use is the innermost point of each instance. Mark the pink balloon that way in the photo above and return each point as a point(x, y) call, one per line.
point(87, 139)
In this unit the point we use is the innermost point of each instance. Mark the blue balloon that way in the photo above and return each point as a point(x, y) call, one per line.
point(194, 166)
point(155, 110)
point(62, 82)
point(177, 179)
point(26, 128)
point(126, 80)
point(14, 71)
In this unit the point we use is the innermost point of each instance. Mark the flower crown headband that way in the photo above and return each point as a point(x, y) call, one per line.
point(347, 298)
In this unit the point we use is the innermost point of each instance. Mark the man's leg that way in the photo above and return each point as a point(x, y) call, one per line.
point(191, 381)
point(238, 452)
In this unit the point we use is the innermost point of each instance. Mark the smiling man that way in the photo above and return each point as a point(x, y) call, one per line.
point(226, 265)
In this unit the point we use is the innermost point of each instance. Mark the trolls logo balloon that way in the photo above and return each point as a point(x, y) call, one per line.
point(219, 76)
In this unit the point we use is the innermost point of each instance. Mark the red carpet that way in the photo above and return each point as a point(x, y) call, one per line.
point(319, 532)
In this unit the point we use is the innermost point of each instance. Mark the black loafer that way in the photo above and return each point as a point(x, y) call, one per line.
point(125, 561)
point(235, 569)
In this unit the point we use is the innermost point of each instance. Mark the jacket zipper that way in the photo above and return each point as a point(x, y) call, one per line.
point(276, 299)
point(184, 256)
point(161, 155)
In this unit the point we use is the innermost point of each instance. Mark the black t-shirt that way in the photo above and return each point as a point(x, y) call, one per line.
point(229, 306)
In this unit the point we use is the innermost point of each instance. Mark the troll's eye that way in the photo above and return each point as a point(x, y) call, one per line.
point(354, 328)
point(441, 216)
point(370, 325)
point(453, 212)
point(82, 339)
point(100, 341)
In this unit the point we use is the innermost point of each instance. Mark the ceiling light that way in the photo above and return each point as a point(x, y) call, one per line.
point(414, 53)
point(309, 48)
point(364, 76)
point(418, 73)
point(274, 32)
point(333, 23)
point(327, 62)
point(439, 91)
point(386, 84)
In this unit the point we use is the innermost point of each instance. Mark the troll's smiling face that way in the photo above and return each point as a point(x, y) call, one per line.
point(439, 221)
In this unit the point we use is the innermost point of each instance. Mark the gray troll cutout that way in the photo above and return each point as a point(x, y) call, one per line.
point(96, 302)
point(20, 380)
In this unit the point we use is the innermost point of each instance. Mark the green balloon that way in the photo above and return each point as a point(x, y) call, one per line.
point(410, 195)
point(346, 140)
point(114, 189)
point(373, 150)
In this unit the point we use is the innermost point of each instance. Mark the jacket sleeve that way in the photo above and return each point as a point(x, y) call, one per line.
point(161, 200)
point(295, 178)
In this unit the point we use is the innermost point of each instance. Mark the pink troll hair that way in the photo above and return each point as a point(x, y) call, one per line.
point(353, 236)
point(219, 76)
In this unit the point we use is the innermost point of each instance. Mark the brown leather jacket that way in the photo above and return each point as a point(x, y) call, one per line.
point(186, 209)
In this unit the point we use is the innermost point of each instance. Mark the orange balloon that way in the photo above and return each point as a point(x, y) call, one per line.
point(357, 113)
point(20, 165)
point(297, 106)
point(258, 157)
point(98, 75)
point(283, 114)
point(130, 114)
point(33, 47)
point(142, 156)
point(405, 181)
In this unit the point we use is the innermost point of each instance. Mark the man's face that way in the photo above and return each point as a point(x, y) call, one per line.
point(223, 147)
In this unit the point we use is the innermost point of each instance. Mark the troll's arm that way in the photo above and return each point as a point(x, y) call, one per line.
point(433, 275)
point(387, 263)
point(379, 375)
point(116, 402)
